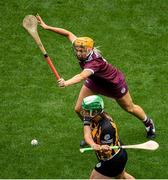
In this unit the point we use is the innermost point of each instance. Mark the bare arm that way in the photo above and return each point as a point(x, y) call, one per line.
point(76, 79)
point(89, 139)
point(60, 31)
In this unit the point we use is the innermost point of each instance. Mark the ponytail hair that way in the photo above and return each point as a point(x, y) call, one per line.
point(96, 50)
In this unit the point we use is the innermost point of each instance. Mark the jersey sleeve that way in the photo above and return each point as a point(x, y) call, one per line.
point(86, 121)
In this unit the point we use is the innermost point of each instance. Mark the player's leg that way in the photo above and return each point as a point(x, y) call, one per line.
point(84, 92)
point(127, 104)
point(124, 175)
point(97, 175)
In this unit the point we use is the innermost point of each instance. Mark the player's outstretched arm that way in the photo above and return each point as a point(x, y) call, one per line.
point(60, 31)
point(76, 79)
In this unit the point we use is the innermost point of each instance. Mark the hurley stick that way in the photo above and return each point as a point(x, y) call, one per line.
point(149, 145)
point(30, 24)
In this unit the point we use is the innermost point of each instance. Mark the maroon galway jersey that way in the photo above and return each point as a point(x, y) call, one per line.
point(105, 78)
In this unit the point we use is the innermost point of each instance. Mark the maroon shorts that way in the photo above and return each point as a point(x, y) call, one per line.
point(115, 91)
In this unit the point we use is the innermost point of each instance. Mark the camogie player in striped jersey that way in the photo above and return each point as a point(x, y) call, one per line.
point(100, 132)
point(99, 77)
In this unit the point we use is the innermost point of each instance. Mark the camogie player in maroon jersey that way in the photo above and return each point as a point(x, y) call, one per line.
point(99, 77)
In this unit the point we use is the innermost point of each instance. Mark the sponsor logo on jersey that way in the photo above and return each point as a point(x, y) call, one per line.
point(107, 139)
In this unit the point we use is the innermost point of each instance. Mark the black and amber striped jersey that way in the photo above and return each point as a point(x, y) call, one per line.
point(104, 132)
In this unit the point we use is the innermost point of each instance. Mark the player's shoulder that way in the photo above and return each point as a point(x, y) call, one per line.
point(107, 122)
point(95, 61)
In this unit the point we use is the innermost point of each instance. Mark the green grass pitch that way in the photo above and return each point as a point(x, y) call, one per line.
point(132, 35)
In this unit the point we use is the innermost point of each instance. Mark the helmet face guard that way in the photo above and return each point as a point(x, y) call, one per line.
point(93, 104)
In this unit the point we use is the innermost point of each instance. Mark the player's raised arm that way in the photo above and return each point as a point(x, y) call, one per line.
point(57, 30)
